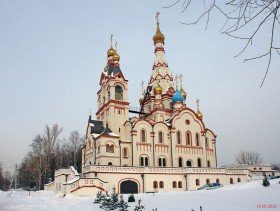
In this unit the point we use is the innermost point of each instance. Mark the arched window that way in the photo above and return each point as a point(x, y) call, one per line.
point(125, 153)
point(141, 161)
point(207, 181)
point(231, 181)
point(160, 137)
point(159, 162)
point(143, 135)
point(161, 184)
point(110, 163)
point(197, 183)
point(174, 184)
point(179, 184)
point(206, 143)
point(238, 180)
point(146, 161)
point(108, 95)
point(178, 137)
point(171, 105)
point(163, 162)
point(189, 163)
point(217, 181)
point(208, 163)
point(155, 184)
point(188, 137)
point(198, 162)
point(118, 93)
point(197, 139)
point(110, 148)
point(260, 168)
point(180, 162)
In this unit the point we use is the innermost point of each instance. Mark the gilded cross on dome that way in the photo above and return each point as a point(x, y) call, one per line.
point(181, 78)
point(197, 103)
point(116, 46)
point(157, 14)
point(176, 81)
point(111, 39)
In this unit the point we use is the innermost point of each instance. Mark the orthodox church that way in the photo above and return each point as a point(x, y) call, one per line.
point(166, 146)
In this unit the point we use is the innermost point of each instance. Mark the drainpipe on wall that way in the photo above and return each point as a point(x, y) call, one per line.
point(142, 175)
point(171, 149)
point(132, 146)
point(215, 152)
point(120, 152)
point(153, 146)
point(186, 177)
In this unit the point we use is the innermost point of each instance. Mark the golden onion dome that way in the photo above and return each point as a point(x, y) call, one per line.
point(182, 91)
point(158, 37)
point(199, 114)
point(116, 57)
point(158, 90)
point(111, 52)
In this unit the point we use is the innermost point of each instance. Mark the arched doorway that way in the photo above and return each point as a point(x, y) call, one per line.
point(129, 186)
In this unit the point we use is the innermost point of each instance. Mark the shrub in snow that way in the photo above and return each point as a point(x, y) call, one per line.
point(139, 207)
point(122, 204)
point(97, 199)
point(265, 182)
point(131, 198)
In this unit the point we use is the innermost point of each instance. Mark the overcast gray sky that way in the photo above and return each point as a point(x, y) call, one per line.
point(53, 52)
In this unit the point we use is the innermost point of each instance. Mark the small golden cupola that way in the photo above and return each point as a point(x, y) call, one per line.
point(111, 51)
point(182, 91)
point(157, 90)
point(158, 37)
point(199, 114)
point(116, 56)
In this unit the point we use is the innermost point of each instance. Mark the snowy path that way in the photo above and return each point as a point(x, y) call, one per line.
point(237, 197)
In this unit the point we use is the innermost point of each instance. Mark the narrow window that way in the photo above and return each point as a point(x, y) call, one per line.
point(161, 184)
point(197, 139)
point(231, 181)
point(174, 184)
point(180, 162)
point(146, 161)
point(143, 136)
point(155, 184)
point(159, 162)
point(118, 93)
point(217, 181)
point(197, 182)
point(109, 95)
point(160, 137)
point(206, 143)
point(238, 180)
point(125, 154)
point(141, 161)
point(207, 181)
point(198, 162)
point(188, 138)
point(110, 163)
point(178, 137)
point(163, 162)
point(179, 184)
point(208, 163)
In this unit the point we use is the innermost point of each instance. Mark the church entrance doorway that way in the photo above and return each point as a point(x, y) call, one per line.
point(129, 186)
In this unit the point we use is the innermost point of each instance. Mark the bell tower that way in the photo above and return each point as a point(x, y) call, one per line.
point(113, 105)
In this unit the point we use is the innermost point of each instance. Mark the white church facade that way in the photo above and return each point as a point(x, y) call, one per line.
point(166, 146)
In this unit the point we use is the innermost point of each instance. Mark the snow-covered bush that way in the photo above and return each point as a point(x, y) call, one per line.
point(139, 207)
point(131, 198)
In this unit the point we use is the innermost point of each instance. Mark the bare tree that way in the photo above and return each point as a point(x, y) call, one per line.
point(246, 157)
point(275, 166)
point(250, 17)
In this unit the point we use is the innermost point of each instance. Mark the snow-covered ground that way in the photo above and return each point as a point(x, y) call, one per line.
point(237, 197)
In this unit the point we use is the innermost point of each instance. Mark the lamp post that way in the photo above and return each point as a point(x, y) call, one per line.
point(142, 175)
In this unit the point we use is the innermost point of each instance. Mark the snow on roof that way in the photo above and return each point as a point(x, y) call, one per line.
point(74, 170)
point(91, 124)
point(71, 181)
point(113, 134)
point(95, 135)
